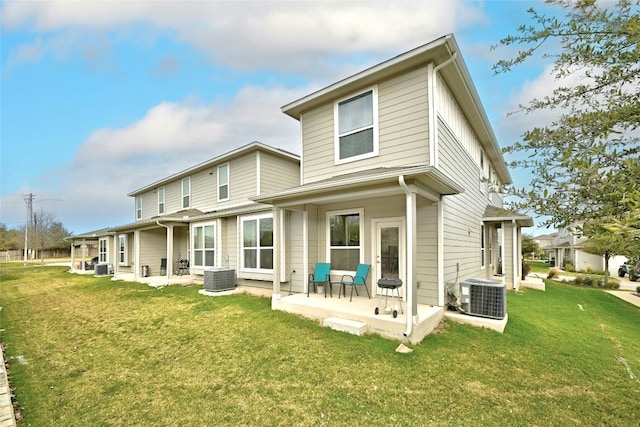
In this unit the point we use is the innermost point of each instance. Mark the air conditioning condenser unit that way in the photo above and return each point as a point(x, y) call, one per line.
point(219, 279)
point(484, 298)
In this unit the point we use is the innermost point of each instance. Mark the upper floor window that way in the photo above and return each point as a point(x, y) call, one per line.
point(123, 256)
point(356, 127)
point(345, 244)
point(223, 182)
point(257, 243)
point(138, 207)
point(161, 200)
point(186, 193)
point(204, 245)
point(103, 250)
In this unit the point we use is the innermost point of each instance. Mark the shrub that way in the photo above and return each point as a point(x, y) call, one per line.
point(589, 281)
point(553, 273)
point(526, 268)
point(579, 280)
point(638, 289)
point(568, 266)
point(612, 284)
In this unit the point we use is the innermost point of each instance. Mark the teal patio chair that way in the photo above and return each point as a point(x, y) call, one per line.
point(359, 279)
point(320, 277)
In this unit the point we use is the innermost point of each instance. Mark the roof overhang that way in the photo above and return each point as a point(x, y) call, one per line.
point(494, 214)
point(426, 181)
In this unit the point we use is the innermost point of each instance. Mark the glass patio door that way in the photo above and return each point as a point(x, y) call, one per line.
point(389, 251)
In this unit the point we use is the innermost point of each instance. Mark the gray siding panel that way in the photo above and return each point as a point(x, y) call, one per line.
point(403, 130)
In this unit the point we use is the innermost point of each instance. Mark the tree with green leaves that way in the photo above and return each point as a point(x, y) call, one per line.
point(529, 246)
point(585, 163)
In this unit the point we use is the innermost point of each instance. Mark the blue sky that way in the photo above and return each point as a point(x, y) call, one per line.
point(101, 98)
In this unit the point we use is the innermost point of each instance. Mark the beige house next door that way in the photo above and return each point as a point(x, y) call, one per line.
point(389, 251)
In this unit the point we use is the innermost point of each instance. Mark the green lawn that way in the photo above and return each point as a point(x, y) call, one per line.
point(99, 353)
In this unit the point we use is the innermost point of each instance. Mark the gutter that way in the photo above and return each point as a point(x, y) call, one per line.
point(410, 234)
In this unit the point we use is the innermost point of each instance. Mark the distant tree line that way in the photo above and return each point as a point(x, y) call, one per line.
point(44, 233)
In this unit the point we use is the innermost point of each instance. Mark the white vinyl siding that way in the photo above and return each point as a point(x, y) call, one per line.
point(275, 174)
point(403, 130)
point(462, 212)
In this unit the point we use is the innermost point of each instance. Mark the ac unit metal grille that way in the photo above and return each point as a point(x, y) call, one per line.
point(484, 298)
point(219, 279)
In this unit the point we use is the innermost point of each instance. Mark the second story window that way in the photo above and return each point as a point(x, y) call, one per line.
point(186, 193)
point(223, 182)
point(160, 200)
point(356, 127)
point(138, 207)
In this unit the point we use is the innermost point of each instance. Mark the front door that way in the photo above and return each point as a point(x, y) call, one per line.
point(389, 251)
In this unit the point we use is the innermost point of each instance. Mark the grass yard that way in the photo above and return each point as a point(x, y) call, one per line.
point(88, 351)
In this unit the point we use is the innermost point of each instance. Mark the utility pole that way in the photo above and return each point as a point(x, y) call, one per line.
point(29, 200)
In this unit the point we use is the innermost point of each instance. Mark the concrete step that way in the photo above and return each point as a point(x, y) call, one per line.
point(345, 325)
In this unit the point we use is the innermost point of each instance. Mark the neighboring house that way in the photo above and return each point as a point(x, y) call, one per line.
point(546, 242)
point(204, 215)
point(399, 169)
point(568, 248)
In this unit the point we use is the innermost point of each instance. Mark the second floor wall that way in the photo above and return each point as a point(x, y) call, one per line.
point(218, 185)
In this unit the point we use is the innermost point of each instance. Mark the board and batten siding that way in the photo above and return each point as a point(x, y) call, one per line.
point(403, 113)
point(277, 173)
point(462, 212)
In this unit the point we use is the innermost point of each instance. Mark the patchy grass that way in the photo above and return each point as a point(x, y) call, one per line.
point(106, 353)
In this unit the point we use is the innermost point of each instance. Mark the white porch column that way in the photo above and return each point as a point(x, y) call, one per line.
point(412, 300)
point(169, 251)
point(136, 255)
point(277, 252)
point(73, 256)
point(516, 257)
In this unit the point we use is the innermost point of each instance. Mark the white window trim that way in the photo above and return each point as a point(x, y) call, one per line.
point(360, 212)
point(162, 203)
point(188, 179)
point(123, 250)
point(103, 255)
point(138, 207)
point(216, 251)
point(336, 141)
point(241, 243)
point(227, 184)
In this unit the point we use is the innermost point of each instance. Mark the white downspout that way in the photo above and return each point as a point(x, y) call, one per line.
point(410, 253)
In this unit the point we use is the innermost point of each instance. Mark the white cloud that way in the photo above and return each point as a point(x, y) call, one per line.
point(291, 36)
point(169, 138)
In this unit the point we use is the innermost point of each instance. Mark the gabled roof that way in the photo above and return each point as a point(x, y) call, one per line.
point(254, 146)
point(455, 75)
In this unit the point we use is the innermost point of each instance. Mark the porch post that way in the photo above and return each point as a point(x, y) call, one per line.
point(516, 257)
point(73, 255)
point(412, 304)
point(277, 253)
point(136, 255)
point(169, 251)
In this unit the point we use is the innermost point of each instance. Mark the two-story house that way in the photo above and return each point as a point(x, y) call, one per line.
point(567, 251)
point(203, 215)
point(399, 168)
